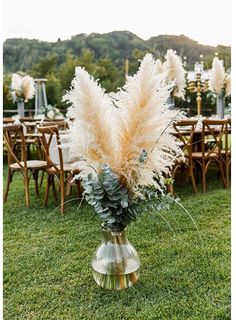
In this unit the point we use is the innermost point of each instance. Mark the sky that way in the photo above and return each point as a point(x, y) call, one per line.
point(206, 21)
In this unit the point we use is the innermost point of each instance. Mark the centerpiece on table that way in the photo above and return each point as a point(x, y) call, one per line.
point(125, 148)
point(51, 113)
point(219, 85)
point(174, 71)
point(22, 90)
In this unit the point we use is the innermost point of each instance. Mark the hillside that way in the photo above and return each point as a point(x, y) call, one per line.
point(22, 54)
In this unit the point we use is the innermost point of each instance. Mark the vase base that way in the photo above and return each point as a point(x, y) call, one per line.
point(115, 282)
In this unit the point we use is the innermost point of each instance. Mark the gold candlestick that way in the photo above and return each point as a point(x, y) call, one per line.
point(199, 98)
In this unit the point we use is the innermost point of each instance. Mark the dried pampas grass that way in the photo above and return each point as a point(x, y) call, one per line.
point(22, 87)
point(174, 71)
point(159, 66)
point(28, 87)
point(217, 77)
point(129, 130)
point(228, 85)
point(92, 134)
point(144, 127)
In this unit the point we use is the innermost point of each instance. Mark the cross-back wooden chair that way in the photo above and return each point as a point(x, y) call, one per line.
point(17, 160)
point(61, 124)
point(213, 132)
point(63, 172)
point(184, 132)
point(31, 138)
point(226, 151)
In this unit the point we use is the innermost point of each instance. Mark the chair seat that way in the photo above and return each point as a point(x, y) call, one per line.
point(31, 164)
point(198, 155)
point(67, 167)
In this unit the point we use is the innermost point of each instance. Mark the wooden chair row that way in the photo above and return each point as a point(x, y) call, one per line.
point(17, 161)
point(213, 142)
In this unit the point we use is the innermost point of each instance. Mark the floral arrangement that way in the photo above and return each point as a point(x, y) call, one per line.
point(220, 81)
point(52, 113)
point(22, 87)
point(123, 142)
point(174, 71)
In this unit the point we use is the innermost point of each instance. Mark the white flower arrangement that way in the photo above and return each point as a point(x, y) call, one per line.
point(122, 140)
point(174, 71)
point(22, 88)
point(52, 113)
point(220, 81)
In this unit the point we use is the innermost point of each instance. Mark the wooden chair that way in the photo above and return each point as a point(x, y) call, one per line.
point(213, 132)
point(185, 130)
point(8, 120)
point(63, 172)
point(17, 160)
point(226, 151)
point(32, 140)
point(61, 124)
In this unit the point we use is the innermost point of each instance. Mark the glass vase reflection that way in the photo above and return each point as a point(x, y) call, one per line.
point(115, 263)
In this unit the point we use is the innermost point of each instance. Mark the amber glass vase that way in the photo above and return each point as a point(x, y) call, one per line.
point(115, 263)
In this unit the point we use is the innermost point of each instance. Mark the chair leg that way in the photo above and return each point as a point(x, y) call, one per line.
point(41, 180)
point(35, 176)
point(47, 190)
point(79, 191)
point(222, 173)
point(62, 188)
point(54, 189)
point(227, 164)
point(9, 180)
point(27, 196)
point(203, 176)
point(192, 178)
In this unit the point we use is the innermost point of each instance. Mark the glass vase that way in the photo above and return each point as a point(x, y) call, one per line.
point(115, 263)
point(20, 108)
point(171, 101)
point(220, 106)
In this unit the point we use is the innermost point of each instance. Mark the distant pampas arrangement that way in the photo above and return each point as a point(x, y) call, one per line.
point(22, 87)
point(174, 71)
point(228, 85)
point(123, 140)
point(219, 82)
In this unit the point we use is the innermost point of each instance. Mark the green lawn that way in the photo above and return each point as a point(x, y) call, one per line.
point(47, 261)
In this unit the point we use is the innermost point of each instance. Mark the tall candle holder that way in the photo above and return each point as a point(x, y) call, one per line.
point(198, 82)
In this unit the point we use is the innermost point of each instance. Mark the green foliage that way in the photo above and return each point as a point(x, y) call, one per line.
point(108, 75)
point(46, 65)
point(54, 89)
point(113, 202)
point(108, 198)
point(103, 56)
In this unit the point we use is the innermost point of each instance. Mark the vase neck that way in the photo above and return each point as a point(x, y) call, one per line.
point(114, 235)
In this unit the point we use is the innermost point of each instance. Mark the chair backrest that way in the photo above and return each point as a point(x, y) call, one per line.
point(48, 134)
point(213, 133)
point(8, 120)
point(15, 143)
point(185, 130)
point(228, 138)
point(61, 124)
point(30, 126)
